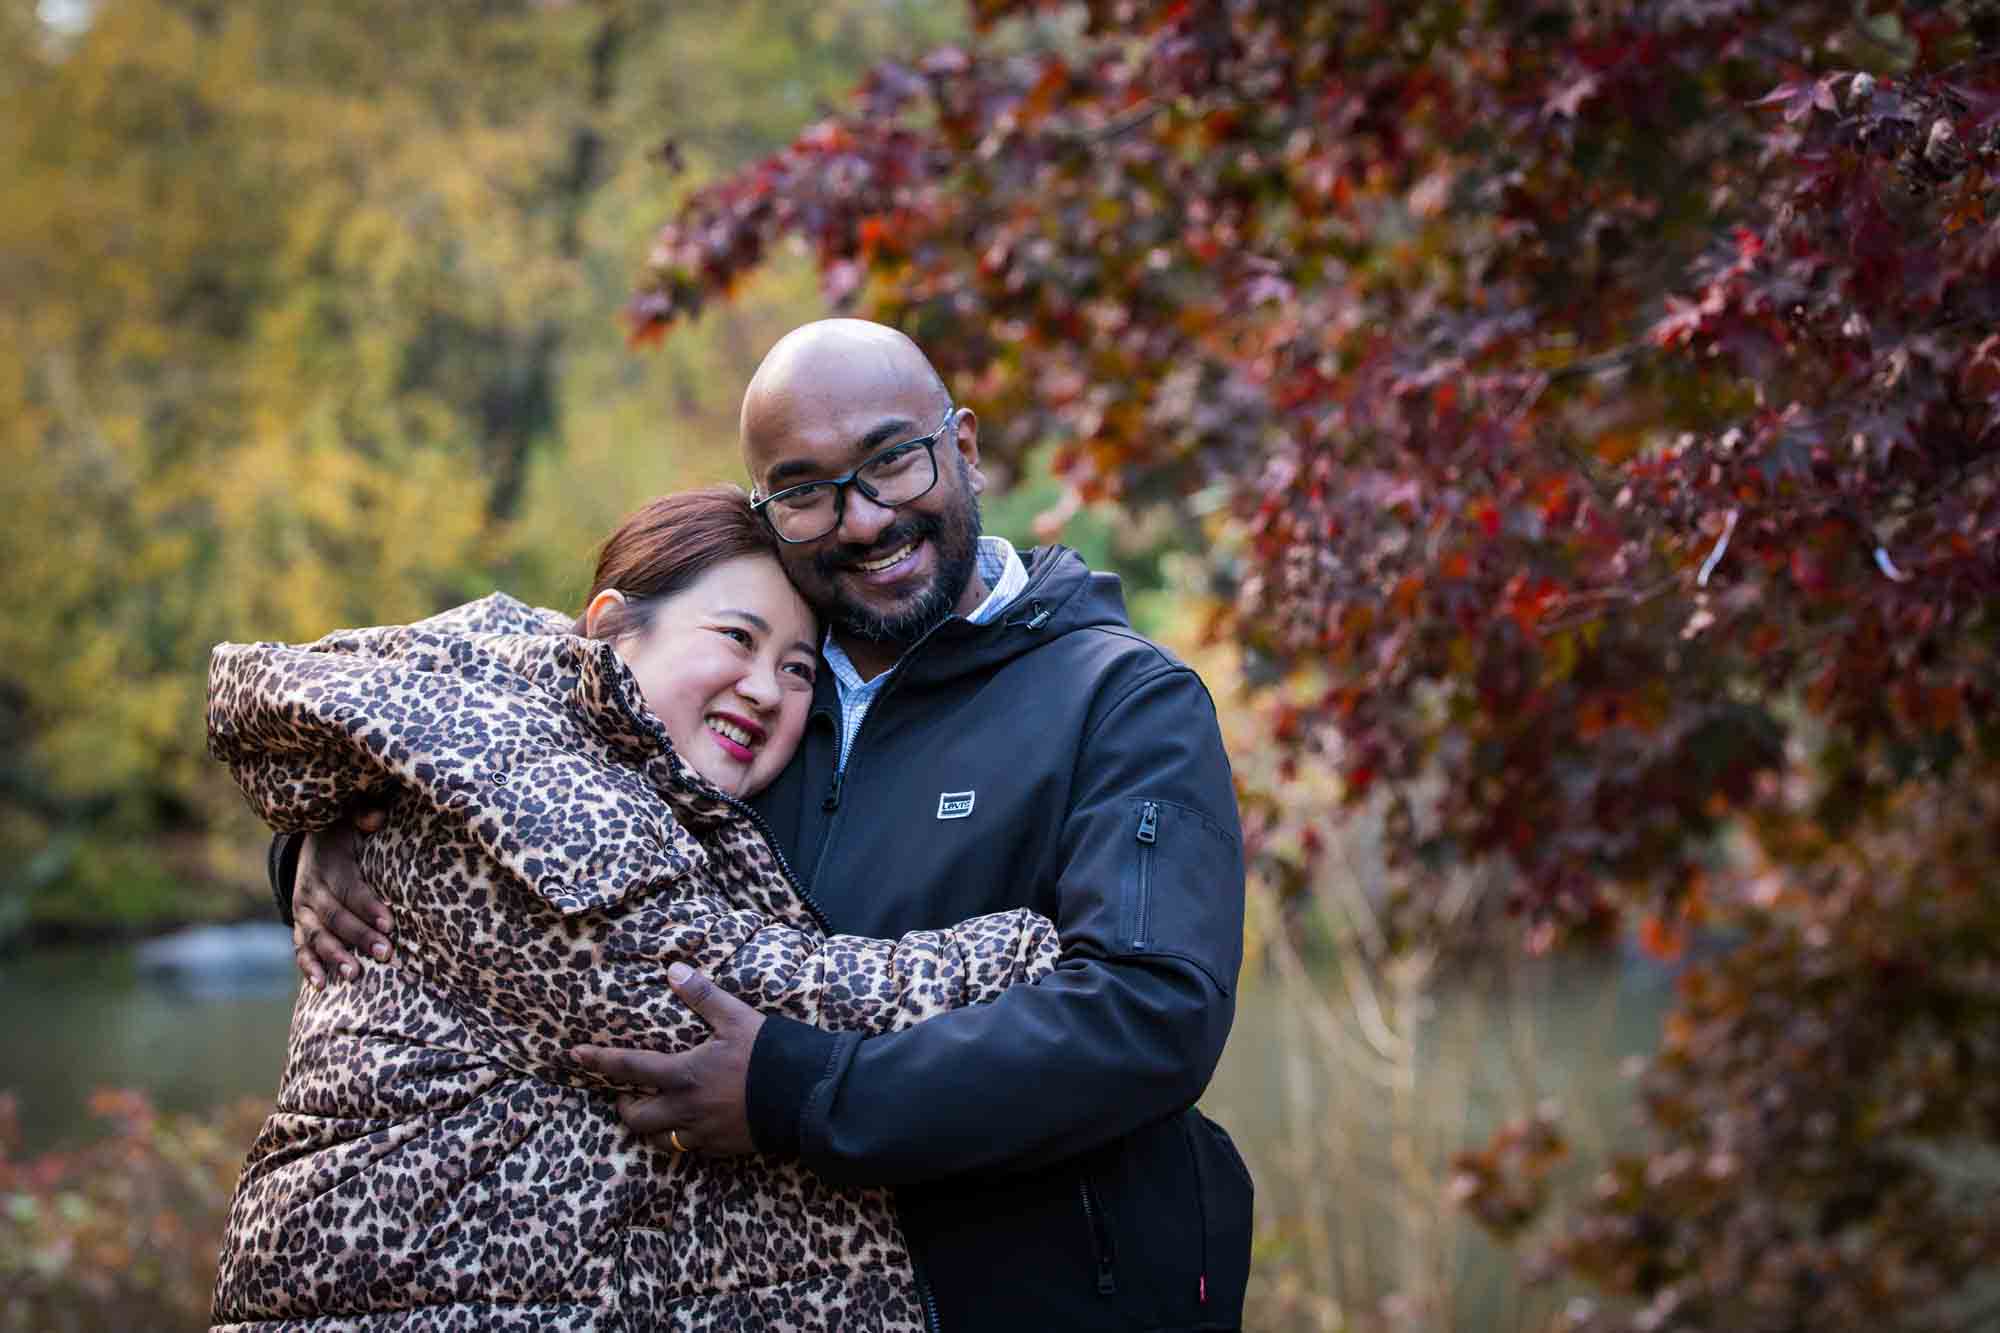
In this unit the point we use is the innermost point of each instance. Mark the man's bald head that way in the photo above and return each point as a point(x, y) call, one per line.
point(826, 369)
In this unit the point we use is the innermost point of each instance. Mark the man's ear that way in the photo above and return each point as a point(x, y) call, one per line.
point(967, 440)
point(608, 602)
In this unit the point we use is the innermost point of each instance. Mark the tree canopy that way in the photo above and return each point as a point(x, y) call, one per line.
point(1590, 412)
point(311, 321)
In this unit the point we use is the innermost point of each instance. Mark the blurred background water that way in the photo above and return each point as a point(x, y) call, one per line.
point(196, 1032)
point(81, 1018)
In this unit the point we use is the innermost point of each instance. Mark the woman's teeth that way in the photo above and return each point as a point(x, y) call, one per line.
point(730, 731)
point(874, 566)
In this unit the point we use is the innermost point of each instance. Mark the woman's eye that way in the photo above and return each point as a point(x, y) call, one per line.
point(801, 670)
point(741, 636)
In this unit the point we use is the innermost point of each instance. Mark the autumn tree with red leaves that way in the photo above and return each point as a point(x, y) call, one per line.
point(1594, 409)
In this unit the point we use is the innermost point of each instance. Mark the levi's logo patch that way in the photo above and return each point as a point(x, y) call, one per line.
point(954, 804)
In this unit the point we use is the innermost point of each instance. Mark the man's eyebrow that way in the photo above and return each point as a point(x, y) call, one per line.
point(884, 431)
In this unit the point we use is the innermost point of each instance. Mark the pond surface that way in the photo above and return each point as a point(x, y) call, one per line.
point(80, 1019)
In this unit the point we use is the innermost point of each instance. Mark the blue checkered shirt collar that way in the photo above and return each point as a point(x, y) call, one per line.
point(1000, 569)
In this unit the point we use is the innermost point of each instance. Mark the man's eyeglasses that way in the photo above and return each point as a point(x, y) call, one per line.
point(890, 477)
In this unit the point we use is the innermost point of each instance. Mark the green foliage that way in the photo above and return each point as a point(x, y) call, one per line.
point(1037, 508)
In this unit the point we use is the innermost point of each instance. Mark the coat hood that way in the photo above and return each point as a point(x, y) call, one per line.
point(1063, 594)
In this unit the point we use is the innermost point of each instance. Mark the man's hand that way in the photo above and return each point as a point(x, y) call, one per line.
point(332, 910)
point(699, 1095)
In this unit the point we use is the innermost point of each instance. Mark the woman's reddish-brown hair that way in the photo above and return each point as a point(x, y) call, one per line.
point(667, 545)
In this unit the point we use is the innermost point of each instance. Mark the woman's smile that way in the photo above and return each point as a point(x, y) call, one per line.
point(738, 736)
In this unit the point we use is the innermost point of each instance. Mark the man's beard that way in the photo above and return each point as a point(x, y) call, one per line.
point(953, 536)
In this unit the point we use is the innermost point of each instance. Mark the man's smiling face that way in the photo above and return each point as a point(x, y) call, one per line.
point(827, 398)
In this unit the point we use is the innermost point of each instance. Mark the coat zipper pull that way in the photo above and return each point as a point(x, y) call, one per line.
point(1149, 823)
point(1039, 617)
point(832, 801)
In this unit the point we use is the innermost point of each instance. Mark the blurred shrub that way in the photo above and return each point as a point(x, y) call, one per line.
point(123, 1232)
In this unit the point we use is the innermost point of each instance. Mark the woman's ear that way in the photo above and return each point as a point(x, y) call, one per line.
point(607, 603)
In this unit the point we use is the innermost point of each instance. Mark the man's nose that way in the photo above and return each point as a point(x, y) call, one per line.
point(861, 519)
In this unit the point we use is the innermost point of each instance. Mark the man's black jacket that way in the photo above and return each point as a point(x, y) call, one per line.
point(1050, 1173)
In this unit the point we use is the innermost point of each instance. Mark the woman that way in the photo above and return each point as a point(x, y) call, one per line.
point(563, 825)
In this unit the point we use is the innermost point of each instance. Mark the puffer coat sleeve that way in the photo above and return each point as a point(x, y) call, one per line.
point(544, 878)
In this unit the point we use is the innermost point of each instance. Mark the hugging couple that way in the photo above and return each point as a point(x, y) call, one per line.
point(829, 929)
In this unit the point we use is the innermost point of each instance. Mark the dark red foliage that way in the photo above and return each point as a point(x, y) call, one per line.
point(1500, 327)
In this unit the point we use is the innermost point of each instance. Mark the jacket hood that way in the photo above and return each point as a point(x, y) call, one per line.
point(529, 650)
point(1063, 594)
point(588, 678)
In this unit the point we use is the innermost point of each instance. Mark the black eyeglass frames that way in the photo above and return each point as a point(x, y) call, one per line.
point(891, 476)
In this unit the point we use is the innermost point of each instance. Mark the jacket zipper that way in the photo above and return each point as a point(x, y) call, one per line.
point(1100, 1239)
point(1200, 1207)
point(1038, 616)
point(1147, 836)
point(764, 831)
point(840, 766)
point(791, 875)
point(932, 1322)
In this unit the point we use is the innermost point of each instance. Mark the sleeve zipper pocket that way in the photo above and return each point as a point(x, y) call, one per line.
point(1148, 836)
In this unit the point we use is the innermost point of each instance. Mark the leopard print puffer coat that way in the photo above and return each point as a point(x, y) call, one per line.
point(435, 1160)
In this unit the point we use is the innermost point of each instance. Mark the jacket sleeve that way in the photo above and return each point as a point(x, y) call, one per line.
point(281, 867)
point(495, 613)
point(296, 745)
point(1125, 1030)
point(844, 982)
point(542, 985)
point(537, 961)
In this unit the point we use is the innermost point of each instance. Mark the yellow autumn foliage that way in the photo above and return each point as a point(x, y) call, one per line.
point(311, 319)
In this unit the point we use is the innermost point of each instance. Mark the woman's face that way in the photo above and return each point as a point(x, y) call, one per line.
point(727, 665)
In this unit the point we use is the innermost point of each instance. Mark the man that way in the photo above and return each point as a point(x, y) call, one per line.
point(990, 734)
